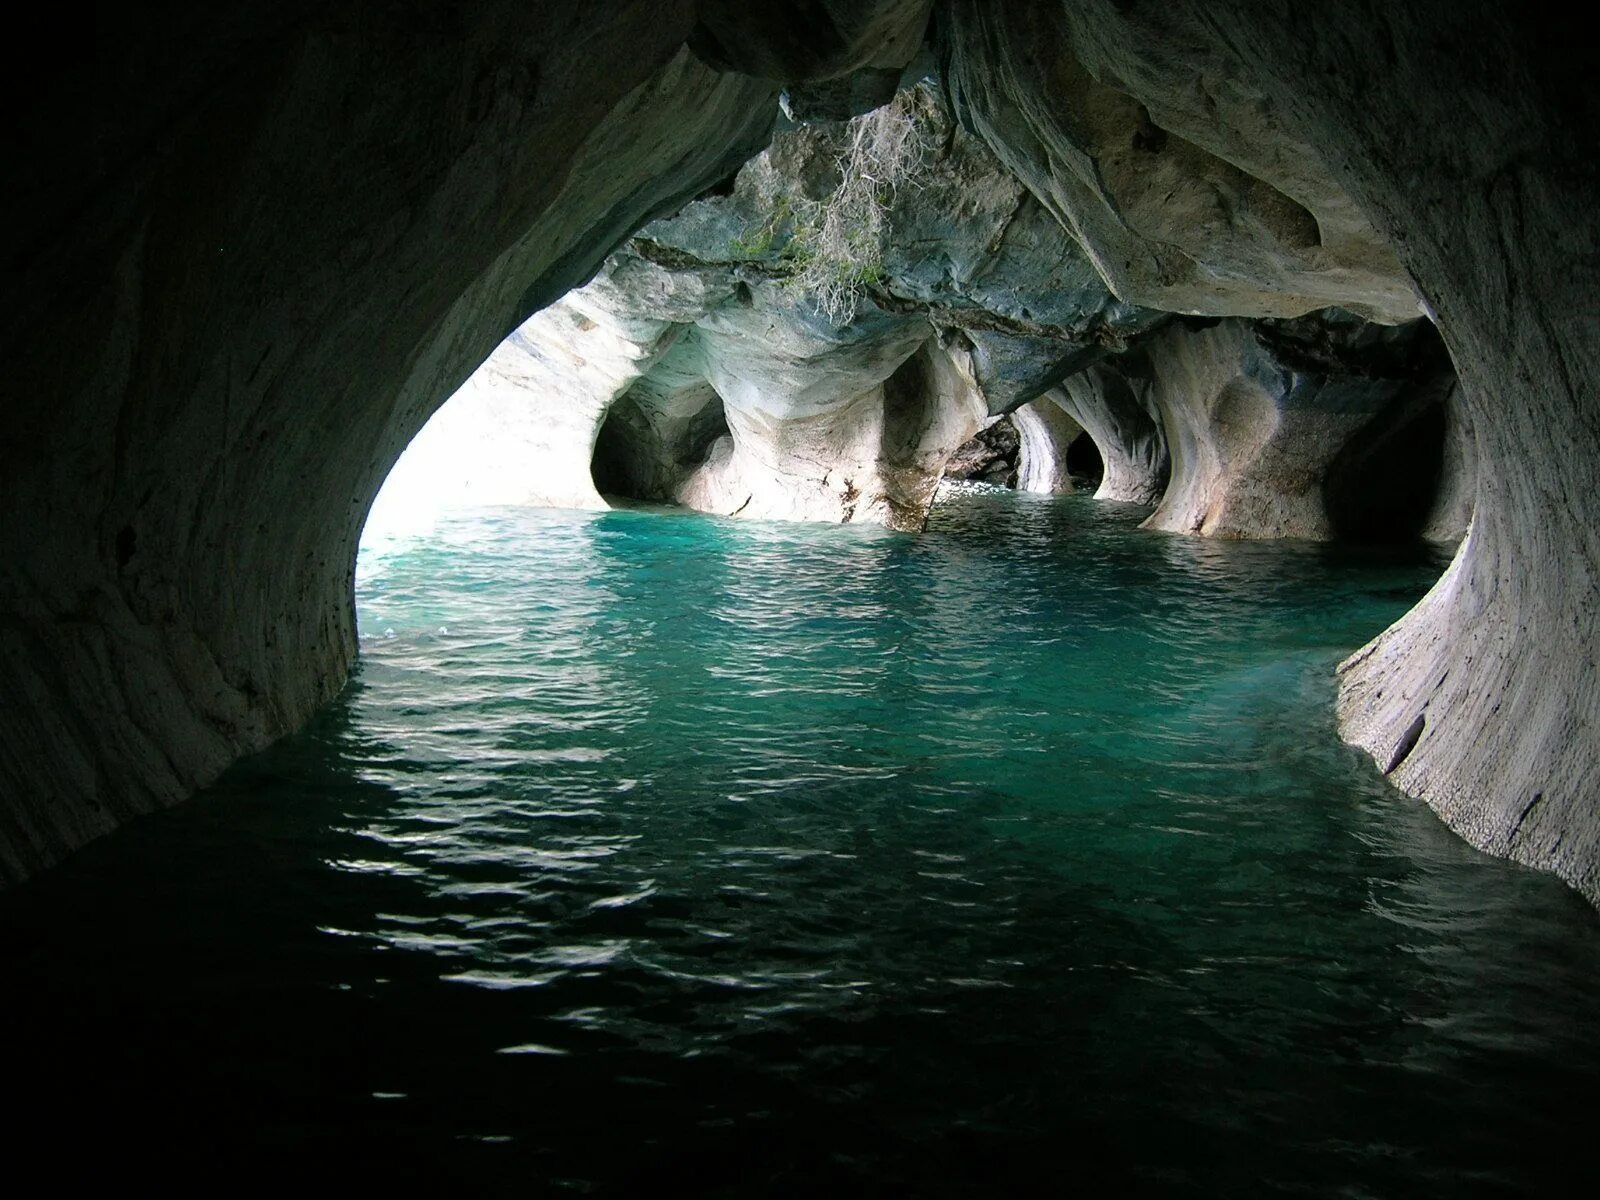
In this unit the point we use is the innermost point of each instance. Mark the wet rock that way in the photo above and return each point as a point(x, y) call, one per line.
point(1177, 175)
point(283, 238)
point(989, 456)
point(1257, 416)
point(251, 248)
point(1458, 150)
point(1114, 402)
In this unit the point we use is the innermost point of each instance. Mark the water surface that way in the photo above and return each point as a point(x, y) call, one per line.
point(652, 852)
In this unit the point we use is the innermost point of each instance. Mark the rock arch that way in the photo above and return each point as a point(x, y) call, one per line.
point(251, 249)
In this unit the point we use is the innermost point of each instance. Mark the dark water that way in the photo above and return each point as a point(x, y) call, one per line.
point(651, 854)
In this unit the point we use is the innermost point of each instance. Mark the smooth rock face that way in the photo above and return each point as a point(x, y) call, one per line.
point(526, 420)
point(1114, 403)
point(1177, 176)
point(523, 428)
point(1257, 415)
point(1047, 432)
point(250, 249)
point(1453, 130)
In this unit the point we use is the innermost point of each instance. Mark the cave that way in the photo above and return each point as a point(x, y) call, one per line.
point(635, 458)
point(1212, 803)
point(1084, 460)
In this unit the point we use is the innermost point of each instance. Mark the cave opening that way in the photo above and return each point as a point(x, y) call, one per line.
point(1084, 461)
point(595, 846)
point(988, 456)
point(649, 452)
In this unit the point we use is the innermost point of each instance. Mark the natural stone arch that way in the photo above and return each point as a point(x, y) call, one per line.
point(1115, 405)
point(279, 299)
point(1260, 419)
point(661, 431)
point(1047, 431)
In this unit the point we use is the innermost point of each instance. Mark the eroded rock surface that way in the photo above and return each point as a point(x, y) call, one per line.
point(1452, 131)
point(250, 251)
point(1114, 403)
point(701, 371)
point(988, 456)
point(1186, 188)
point(1047, 434)
point(250, 248)
point(1258, 414)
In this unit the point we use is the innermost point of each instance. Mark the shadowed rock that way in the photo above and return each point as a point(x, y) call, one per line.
point(251, 248)
point(1258, 417)
point(1452, 132)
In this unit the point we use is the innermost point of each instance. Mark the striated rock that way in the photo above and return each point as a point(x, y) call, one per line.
point(1451, 130)
point(1257, 416)
point(1178, 178)
point(282, 236)
point(1114, 403)
point(1047, 434)
point(526, 420)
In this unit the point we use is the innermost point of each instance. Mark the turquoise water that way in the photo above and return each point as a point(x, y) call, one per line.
point(651, 852)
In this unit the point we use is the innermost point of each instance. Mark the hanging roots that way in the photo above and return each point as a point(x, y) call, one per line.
point(838, 244)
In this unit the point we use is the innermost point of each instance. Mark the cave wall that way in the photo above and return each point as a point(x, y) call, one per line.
point(1454, 130)
point(1046, 431)
point(1260, 417)
point(840, 417)
point(1114, 402)
point(250, 250)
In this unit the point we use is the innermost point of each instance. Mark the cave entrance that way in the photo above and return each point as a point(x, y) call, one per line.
point(652, 442)
point(990, 456)
point(1084, 462)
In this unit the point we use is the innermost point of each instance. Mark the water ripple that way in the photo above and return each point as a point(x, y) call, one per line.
point(653, 850)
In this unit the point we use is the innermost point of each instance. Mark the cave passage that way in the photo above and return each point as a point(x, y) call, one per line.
point(645, 453)
point(1125, 622)
point(741, 839)
point(1084, 461)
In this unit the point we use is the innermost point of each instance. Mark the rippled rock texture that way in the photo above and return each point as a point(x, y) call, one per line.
point(1260, 416)
point(1453, 133)
point(250, 249)
point(779, 402)
point(705, 368)
point(971, 302)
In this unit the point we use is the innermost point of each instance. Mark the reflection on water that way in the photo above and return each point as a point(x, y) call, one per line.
point(651, 850)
